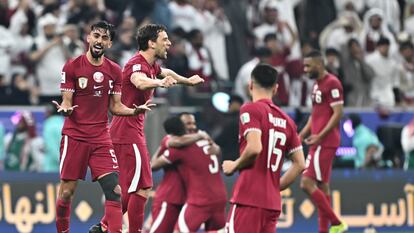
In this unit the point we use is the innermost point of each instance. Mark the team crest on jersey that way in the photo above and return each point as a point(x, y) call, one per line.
point(245, 118)
point(83, 82)
point(63, 77)
point(98, 77)
point(335, 93)
point(136, 67)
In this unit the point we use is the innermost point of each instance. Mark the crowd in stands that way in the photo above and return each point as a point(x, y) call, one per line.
point(368, 44)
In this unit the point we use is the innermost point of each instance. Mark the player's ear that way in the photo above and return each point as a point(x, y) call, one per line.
point(250, 85)
point(88, 38)
point(274, 89)
point(110, 44)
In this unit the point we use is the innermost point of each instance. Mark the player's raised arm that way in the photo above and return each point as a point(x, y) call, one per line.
point(142, 82)
point(65, 107)
point(191, 81)
point(117, 108)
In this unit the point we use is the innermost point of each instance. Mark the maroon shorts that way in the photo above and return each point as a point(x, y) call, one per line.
point(192, 216)
point(249, 219)
point(76, 156)
point(164, 217)
point(134, 167)
point(319, 163)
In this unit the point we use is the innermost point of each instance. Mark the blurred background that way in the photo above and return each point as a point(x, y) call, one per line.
point(367, 44)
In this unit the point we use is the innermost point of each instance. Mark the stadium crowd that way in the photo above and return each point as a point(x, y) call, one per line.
point(368, 45)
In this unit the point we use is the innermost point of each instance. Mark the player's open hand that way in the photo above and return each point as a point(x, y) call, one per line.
point(65, 110)
point(312, 140)
point(143, 108)
point(195, 79)
point(168, 81)
point(229, 167)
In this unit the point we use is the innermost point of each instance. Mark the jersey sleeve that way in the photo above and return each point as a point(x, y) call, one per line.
point(67, 82)
point(172, 155)
point(294, 141)
point(249, 119)
point(116, 89)
point(158, 70)
point(163, 145)
point(335, 93)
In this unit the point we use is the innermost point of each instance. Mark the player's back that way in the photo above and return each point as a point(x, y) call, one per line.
point(171, 188)
point(126, 130)
point(201, 174)
point(258, 185)
point(92, 86)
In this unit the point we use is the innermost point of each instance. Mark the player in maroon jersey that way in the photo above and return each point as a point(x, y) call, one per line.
point(199, 168)
point(324, 139)
point(91, 85)
point(141, 75)
point(170, 195)
point(267, 136)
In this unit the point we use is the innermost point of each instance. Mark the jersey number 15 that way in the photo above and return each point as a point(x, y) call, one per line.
point(276, 139)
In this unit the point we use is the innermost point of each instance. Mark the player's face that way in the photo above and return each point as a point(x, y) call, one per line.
point(311, 68)
point(99, 40)
point(162, 45)
point(189, 123)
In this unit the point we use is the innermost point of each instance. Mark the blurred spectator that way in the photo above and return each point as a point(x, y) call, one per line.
point(2, 149)
point(161, 13)
point(78, 11)
point(333, 63)
point(185, 15)
point(23, 147)
point(369, 148)
point(123, 48)
point(216, 28)
point(280, 51)
point(409, 18)
point(374, 29)
point(22, 90)
point(407, 81)
point(387, 74)
point(199, 60)
point(337, 34)
point(50, 54)
point(358, 75)
point(316, 16)
point(241, 86)
point(407, 142)
point(357, 6)
point(391, 10)
point(6, 45)
point(71, 40)
point(52, 134)
point(5, 13)
point(227, 138)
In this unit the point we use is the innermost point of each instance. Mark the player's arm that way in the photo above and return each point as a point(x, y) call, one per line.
point(154, 157)
point(117, 108)
point(305, 131)
point(142, 82)
point(185, 140)
point(193, 80)
point(159, 162)
point(298, 165)
point(65, 107)
point(248, 156)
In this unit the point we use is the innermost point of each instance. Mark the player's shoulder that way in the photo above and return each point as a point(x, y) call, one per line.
point(250, 106)
point(279, 113)
point(332, 80)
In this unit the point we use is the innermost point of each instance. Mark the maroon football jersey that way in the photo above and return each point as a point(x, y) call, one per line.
point(91, 86)
point(258, 185)
point(128, 130)
point(326, 93)
point(171, 188)
point(200, 172)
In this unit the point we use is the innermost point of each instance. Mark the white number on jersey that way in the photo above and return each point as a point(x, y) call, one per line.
point(274, 137)
point(214, 166)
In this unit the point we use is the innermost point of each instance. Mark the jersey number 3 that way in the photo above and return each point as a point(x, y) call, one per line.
point(276, 139)
point(214, 166)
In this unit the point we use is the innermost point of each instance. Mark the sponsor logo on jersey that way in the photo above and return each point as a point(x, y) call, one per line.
point(136, 67)
point(83, 82)
point(63, 77)
point(245, 118)
point(98, 77)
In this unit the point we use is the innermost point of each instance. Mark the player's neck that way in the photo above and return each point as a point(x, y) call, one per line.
point(149, 56)
point(94, 61)
point(259, 95)
point(323, 75)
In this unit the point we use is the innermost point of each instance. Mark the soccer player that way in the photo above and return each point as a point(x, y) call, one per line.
point(141, 75)
point(170, 195)
point(323, 125)
point(199, 168)
point(91, 85)
point(267, 135)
